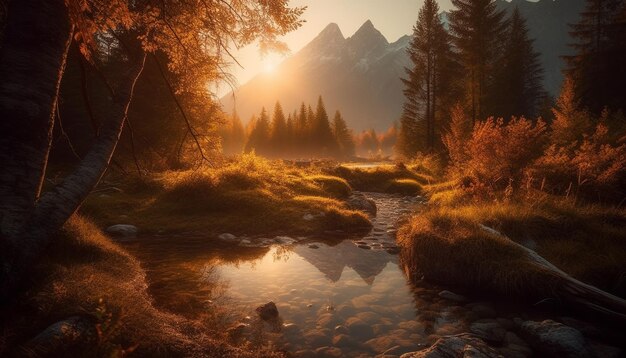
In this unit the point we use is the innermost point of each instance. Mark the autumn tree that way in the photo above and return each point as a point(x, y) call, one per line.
point(570, 121)
point(478, 28)
point(597, 67)
point(37, 35)
point(518, 89)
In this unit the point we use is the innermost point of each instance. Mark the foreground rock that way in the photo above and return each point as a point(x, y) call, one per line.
point(268, 311)
point(73, 333)
point(555, 339)
point(464, 345)
point(122, 230)
point(358, 201)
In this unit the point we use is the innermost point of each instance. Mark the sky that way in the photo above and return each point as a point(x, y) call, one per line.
point(393, 18)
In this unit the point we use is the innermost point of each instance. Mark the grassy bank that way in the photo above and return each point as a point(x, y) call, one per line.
point(250, 196)
point(447, 243)
point(393, 179)
point(83, 274)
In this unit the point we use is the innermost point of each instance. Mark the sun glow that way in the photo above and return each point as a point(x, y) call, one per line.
point(271, 62)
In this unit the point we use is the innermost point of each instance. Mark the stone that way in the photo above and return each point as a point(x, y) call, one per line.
point(308, 217)
point(344, 341)
point(464, 345)
point(290, 328)
point(451, 296)
point(483, 310)
point(285, 240)
point(360, 329)
point(358, 201)
point(122, 230)
point(329, 352)
point(489, 330)
point(313, 246)
point(555, 339)
point(339, 329)
point(317, 338)
point(235, 332)
point(268, 311)
point(76, 332)
point(227, 237)
point(381, 344)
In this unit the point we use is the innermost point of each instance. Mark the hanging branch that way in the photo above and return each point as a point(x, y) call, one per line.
point(190, 129)
point(132, 144)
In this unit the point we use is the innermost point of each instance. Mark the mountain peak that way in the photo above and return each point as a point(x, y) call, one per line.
point(331, 31)
point(367, 32)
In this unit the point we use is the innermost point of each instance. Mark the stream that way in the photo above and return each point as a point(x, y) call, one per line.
point(336, 296)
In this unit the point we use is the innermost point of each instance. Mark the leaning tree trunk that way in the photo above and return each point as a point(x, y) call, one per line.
point(32, 60)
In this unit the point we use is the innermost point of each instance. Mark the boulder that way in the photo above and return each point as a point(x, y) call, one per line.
point(554, 339)
point(268, 311)
point(451, 296)
point(72, 333)
point(464, 345)
point(489, 330)
point(227, 237)
point(358, 201)
point(122, 230)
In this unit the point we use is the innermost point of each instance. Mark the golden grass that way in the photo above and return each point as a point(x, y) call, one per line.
point(250, 196)
point(385, 179)
point(458, 252)
point(588, 242)
point(82, 273)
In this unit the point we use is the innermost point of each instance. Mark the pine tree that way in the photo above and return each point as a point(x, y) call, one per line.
point(570, 122)
point(259, 137)
point(428, 79)
point(322, 133)
point(233, 136)
point(343, 137)
point(597, 68)
point(518, 89)
point(478, 29)
point(279, 135)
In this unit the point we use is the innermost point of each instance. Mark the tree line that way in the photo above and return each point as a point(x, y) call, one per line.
point(484, 65)
point(303, 133)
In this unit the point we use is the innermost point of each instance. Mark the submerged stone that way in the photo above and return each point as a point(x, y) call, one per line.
point(268, 311)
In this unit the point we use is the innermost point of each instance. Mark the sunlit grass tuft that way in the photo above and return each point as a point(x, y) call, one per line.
point(251, 195)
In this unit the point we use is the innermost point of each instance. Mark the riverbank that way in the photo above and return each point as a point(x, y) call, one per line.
point(483, 245)
point(250, 196)
point(88, 297)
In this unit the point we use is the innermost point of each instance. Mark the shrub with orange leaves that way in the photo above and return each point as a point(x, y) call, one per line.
point(497, 153)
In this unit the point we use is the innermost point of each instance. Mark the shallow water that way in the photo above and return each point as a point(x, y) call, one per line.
point(336, 296)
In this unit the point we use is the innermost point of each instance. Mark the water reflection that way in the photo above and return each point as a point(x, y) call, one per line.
point(335, 297)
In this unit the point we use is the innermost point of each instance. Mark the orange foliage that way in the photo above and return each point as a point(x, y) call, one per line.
point(497, 153)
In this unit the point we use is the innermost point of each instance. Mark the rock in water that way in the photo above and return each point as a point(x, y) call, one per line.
point(358, 201)
point(268, 311)
point(122, 230)
point(555, 339)
point(451, 296)
point(463, 345)
point(227, 236)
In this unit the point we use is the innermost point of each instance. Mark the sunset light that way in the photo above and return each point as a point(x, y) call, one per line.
point(313, 178)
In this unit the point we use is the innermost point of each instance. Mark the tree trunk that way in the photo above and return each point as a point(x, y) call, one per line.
point(32, 59)
point(57, 205)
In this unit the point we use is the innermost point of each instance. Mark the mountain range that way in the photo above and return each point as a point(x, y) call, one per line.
point(361, 75)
